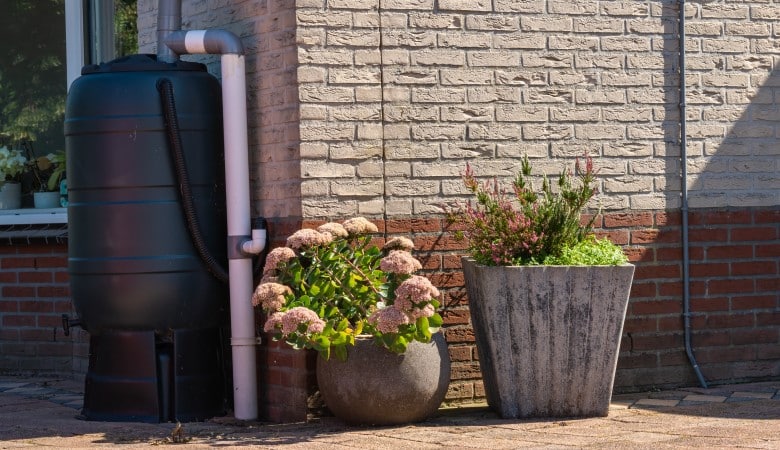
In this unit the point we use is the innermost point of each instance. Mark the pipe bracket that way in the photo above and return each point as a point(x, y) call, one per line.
point(234, 247)
point(246, 342)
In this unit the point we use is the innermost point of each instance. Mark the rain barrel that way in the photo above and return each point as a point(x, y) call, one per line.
point(136, 279)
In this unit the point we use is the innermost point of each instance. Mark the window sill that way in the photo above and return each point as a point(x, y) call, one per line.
point(33, 216)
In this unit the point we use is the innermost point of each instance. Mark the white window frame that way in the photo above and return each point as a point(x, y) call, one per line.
point(74, 61)
point(74, 39)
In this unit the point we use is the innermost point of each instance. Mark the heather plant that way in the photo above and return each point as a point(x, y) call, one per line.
point(528, 227)
point(328, 286)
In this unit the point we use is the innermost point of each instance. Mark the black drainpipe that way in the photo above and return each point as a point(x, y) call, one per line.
point(684, 208)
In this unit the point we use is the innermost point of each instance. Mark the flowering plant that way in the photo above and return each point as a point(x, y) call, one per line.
point(48, 171)
point(329, 285)
point(12, 165)
point(530, 228)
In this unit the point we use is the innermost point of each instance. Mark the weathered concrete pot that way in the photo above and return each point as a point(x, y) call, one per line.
point(377, 387)
point(548, 336)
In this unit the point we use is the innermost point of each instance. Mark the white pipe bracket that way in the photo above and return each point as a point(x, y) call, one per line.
point(246, 342)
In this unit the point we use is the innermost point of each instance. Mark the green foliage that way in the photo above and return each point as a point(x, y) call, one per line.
point(589, 252)
point(32, 75)
point(48, 171)
point(125, 27)
point(527, 227)
point(338, 290)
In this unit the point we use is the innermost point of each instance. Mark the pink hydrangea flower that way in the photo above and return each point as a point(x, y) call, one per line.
point(308, 238)
point(359, 225)
point(387, 320)
point(272, 322)
point(300, 315)
point(399, 243)
point(335, 229)
point(416, 289)
point(277, 256)
point(399, 261)
point(270, 296)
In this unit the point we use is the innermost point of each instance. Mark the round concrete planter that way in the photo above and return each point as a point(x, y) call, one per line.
point(548, 336)
point(377, 387)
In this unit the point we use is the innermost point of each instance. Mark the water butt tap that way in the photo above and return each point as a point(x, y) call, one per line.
point(68, 323)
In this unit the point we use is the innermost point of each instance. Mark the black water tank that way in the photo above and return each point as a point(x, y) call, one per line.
point(131, 260)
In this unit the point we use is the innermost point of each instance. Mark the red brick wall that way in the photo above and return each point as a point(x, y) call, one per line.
point(735, 305)
point(34, 294)
point(735, 300)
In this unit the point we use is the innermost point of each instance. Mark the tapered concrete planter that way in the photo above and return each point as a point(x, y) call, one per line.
point(377, 387)
point(548, 336)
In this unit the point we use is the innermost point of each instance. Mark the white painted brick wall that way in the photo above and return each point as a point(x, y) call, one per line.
point(390, 104)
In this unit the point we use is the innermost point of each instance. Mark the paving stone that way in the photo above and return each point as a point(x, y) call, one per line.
point(705, 398)
point(31, 391)
point(740, 394)
point(8, 385)
point(656, 402)
point(743, 417)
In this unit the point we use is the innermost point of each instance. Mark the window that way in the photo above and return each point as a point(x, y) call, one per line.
point(43, 45)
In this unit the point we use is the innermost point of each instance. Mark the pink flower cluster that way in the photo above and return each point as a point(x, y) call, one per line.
point(414, 290)
point(270, 296)
point(336, 230)
point(359, 225)
point(275, 257)
point(399, 243)
point(308, 238)
point(401, 262)
point(387, 320)
point(412, 293)
point(290, 320)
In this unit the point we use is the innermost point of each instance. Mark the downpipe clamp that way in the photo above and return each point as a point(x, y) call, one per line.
point(242, 247)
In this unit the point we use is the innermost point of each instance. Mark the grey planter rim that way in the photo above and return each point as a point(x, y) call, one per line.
point(471, 260)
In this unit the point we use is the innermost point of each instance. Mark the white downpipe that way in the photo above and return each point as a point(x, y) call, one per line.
point(242, 317)
point(243, 339)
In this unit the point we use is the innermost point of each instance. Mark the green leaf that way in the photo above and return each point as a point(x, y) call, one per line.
point(435, 320)
point(339, 338)
point(399, 344)
point(321, 342)
point(423, 330)
point(340, 352)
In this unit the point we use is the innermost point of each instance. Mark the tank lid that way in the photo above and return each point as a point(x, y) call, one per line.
point(141, 63)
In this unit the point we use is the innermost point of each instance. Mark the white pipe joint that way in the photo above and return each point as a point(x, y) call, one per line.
point(255, 245)
point(211, 42)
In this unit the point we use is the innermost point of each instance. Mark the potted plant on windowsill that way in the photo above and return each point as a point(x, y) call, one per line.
point(547, 299)
point(373, 322)
point(12, 165)
point(48, 171)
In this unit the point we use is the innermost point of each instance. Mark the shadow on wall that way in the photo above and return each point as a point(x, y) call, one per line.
point(733, 161)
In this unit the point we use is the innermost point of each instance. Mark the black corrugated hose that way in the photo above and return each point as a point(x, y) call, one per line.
point(165, 87)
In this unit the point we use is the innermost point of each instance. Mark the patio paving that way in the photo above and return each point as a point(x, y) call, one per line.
point(38, 413)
